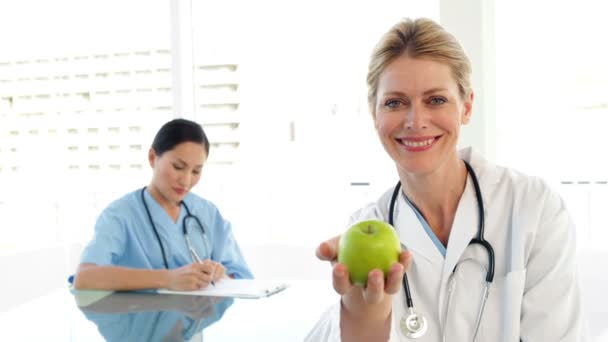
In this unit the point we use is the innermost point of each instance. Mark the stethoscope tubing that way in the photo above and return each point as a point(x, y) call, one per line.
point(184, 230)
point(479, 239)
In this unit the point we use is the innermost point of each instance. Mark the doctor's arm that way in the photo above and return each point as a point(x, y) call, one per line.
point(551, 307)
point(365, 313)
point(107, 277)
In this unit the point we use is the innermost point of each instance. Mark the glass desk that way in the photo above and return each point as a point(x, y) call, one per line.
point(105, 316)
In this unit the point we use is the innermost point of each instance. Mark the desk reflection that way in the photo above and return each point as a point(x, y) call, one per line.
point(97, 316)
point(126, 316)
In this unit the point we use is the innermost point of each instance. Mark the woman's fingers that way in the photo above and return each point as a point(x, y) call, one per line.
point(220, 271)
point(203, 276)
point(328, 250)
point(374, 291)
point(405, 258)
point(192, 277)
point(394, 278)
point(341, 279)
point(204, 272)
point(191, 284)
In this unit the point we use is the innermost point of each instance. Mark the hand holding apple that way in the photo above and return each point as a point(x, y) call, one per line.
point(359, 299)
point(368, 245)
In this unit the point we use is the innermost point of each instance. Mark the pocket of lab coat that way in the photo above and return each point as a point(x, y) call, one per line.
point(501, 317)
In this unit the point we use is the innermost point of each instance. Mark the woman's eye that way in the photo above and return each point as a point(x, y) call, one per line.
point(437, 100)
point(177, 167)
point(196, 172)
point(392, 104)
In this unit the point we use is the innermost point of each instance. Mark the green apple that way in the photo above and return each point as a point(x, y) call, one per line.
point(368, 245)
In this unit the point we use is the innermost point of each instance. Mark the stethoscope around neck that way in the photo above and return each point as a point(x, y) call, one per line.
point(414, 324)
point(193, 253)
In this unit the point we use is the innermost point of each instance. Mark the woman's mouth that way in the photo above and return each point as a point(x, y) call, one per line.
point(418, 144)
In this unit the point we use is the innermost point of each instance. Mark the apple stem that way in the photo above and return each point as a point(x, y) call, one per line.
point(369, 229)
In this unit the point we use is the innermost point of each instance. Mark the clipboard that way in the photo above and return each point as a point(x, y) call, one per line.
point(236, 288)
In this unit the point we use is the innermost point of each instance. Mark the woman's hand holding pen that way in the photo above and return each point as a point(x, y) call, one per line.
point(217, 270)
point(220, 271)
point(193, 276)
point(362, 306)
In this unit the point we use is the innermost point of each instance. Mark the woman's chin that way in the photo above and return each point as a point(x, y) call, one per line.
point(418, 168)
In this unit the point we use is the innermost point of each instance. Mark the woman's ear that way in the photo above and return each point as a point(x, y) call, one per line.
point(468, 108)
point(151, 157)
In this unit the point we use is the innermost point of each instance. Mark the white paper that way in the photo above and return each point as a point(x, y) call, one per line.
point(238, 288)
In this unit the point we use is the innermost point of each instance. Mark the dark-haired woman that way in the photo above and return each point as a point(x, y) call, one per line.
point(162, 235)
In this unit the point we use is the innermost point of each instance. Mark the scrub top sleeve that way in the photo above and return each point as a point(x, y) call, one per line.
point(551, 306)
point(227, 251)
point(109, 241)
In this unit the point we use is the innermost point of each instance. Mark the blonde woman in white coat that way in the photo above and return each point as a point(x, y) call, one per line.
point(419, 96)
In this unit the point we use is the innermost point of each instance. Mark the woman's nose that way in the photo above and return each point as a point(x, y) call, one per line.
point(415, 118)
point(184, 179)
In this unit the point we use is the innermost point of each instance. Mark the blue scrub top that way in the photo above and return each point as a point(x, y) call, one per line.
point(125, 237)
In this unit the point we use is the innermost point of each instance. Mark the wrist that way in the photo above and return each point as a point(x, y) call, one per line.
point(356, 307)
point(164, 279)
point(361, 321)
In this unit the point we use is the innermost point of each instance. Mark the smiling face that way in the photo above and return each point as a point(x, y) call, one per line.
point(418, 113)
point(176, 171)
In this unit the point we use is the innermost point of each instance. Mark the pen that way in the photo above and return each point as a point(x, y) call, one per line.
point(198, 259)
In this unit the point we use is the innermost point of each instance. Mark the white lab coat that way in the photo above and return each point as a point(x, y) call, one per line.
point(535, 293)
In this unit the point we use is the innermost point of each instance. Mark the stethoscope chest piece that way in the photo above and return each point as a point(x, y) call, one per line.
point(413, 325)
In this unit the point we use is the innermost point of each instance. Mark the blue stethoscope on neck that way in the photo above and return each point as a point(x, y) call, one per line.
point(188, 216)
point(414, 324)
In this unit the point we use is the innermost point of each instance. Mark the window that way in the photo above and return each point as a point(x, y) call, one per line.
point(65, 131)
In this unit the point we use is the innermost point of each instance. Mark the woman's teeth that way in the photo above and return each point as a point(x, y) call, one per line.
point(418, 143)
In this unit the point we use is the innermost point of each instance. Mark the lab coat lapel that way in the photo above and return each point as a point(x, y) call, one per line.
point(412, 234)
point(464, 228)
point(466, 221)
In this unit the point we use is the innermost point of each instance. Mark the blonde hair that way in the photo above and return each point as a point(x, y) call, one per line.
point(419, 38)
